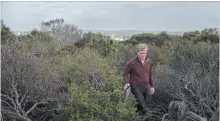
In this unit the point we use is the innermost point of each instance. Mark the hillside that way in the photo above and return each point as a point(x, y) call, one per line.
point(62, 73)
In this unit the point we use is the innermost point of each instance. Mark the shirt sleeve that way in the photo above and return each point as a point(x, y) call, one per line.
point(150, 77)
point(126, 74)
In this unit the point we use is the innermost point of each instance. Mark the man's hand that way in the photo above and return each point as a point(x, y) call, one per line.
point(152, 90)
point(126, 86)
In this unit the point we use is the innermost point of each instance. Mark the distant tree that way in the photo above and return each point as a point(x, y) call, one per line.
point(62, 33)
point(103, 44)
point(40, 36)
point(37, 43)
point(52, 25)
point(210, 35)
point(149, 38)
point(6, 34)
point(189, 35)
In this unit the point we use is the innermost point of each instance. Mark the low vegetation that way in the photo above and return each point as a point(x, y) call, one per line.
point(58, 73)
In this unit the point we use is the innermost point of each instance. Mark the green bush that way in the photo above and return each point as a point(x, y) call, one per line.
point(89, 100)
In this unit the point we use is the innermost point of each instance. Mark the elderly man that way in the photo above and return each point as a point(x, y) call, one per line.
point(138, 75)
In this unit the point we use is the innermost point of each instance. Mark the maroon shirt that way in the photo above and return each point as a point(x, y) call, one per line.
point(138, 73)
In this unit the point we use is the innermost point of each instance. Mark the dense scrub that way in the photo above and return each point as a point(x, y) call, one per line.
point(58, 73)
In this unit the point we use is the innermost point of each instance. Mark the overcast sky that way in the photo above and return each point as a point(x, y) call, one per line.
point(152, 16)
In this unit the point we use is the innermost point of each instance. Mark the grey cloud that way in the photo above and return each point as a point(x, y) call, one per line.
point(118, 15)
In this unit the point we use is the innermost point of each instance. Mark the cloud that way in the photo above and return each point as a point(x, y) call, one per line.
point(173, 16)
point(61, 10)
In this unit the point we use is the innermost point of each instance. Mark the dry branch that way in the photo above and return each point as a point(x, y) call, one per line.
point(177, 112)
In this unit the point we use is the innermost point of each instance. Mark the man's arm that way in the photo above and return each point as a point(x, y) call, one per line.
point(126, 74)
point(150, 77)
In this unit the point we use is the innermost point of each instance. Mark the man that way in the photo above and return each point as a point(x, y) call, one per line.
point(138, 75)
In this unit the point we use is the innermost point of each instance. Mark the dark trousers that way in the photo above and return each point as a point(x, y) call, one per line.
point(141, 94)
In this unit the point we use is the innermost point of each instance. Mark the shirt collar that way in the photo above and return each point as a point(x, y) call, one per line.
point(145, 61)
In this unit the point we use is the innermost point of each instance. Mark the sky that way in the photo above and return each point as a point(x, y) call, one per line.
point(151, 16)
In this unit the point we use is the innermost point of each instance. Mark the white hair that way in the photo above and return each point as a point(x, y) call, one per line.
point(142, 46)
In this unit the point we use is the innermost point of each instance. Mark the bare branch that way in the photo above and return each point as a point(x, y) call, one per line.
point(177, 112)
point(12, 101)
point(17, 99)
point(186, 85)
point(8, 105)
point(23, 97)
point(208, 107)
point(32, 108)
point(164, 116)
point(194, 116)
point(10, 112)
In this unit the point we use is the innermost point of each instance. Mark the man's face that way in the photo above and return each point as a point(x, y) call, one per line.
point(142, 54)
